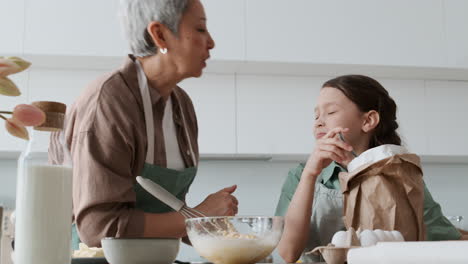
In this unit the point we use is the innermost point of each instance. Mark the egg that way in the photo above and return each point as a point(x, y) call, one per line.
point(368, 238)
point(339, 239)
point(364, 238)
point(397, 236)
point(381, 236)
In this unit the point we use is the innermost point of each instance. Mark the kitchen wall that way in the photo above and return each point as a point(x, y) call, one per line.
point(259, 91)
point(272, 114)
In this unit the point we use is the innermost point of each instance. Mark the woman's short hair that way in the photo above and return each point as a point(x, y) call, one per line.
point(135, 15)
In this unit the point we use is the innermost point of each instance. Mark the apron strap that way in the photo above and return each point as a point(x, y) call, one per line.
point(192, 153)
point(148, 110)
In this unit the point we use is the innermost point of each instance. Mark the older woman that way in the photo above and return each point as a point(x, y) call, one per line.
point(137, 121)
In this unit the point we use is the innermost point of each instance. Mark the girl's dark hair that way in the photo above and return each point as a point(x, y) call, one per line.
point(368, 94)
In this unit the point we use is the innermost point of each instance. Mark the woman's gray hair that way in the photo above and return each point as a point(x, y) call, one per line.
point(135, 15)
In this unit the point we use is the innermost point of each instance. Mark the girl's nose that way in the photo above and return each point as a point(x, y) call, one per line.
point(318, 123)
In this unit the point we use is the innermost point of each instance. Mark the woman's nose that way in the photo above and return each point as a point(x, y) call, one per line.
point(211, 43)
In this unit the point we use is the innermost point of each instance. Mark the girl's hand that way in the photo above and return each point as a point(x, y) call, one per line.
point(329, 148)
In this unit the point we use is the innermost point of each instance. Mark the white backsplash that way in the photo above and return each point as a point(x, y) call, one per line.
point(259, 186)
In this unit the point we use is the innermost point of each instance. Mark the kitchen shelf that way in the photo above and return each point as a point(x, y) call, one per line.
point(9, 155)
point(444, 159)
point(260, 68)
point(427, 159)
point(235, 157)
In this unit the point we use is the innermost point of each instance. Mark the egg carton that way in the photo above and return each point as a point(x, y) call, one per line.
point(337, 255)
point(343, 241)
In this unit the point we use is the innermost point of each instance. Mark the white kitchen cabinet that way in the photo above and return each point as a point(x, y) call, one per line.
point(11, 26)
point(456, 24)
point(59, 85)
point(226, 23)
point(275, 115)
point(214, 99)
point(7, 103)
point(92, 28)
point(447, 123)
point(396, 32)
point(69, 27)
point(409, 95)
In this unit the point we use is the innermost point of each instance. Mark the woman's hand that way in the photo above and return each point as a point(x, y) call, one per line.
point(328, 148)
point(221, 203)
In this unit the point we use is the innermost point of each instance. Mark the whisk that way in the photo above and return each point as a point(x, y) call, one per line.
point(170, 200)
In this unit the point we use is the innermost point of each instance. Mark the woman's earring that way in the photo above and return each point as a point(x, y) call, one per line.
point(163, 50)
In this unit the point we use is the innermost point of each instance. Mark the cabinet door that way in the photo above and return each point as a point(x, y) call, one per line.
point(395, 32)
point(226, 20)
point(214, 100)
point(7, 103)
point(276, 114)
point(11, 26)
point(69, 27)
point(447, 117)
point(59, 85)
point(409, 95)
point(456, 24)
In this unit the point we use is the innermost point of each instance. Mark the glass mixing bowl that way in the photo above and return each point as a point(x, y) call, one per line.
point(235, 240)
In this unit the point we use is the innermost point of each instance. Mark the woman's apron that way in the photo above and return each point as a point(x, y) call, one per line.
point(175, 181)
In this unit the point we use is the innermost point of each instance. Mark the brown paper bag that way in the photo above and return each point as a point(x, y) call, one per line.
point(387, 195)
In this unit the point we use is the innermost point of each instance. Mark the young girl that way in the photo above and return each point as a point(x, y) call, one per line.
point(311, 200)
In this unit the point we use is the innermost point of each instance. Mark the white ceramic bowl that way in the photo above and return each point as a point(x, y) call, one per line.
point(234, 240)
point(140, 250)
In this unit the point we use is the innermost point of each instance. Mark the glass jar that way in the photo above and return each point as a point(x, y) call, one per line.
point(44, 196)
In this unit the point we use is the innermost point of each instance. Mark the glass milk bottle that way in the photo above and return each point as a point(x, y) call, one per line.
point(44, 196)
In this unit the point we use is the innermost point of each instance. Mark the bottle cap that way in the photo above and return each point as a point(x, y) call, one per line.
point(55, 115)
